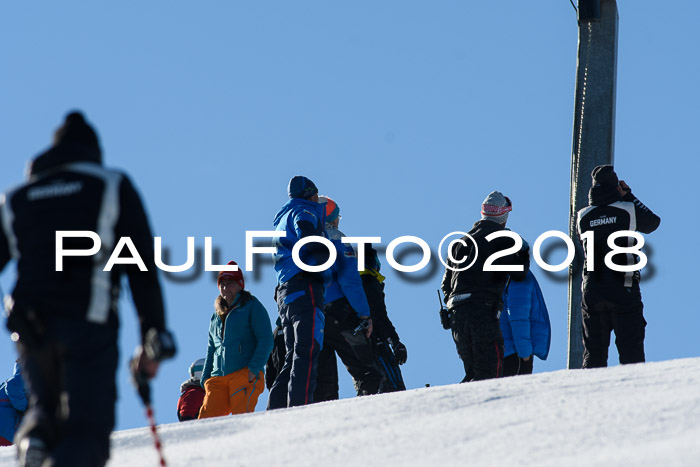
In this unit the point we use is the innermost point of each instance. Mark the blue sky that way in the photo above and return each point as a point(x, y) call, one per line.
point(406, 113)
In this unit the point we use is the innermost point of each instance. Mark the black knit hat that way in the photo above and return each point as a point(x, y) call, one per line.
point(76, 130)
point(605, 175)
point(301, 187)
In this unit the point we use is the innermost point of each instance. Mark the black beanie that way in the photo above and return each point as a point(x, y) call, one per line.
point(605, 175)
point(301, 187)
point(76, 130)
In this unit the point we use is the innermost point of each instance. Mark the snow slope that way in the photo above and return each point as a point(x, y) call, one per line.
point(635, 415)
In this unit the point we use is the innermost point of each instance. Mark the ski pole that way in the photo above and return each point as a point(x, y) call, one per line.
point(144, 390)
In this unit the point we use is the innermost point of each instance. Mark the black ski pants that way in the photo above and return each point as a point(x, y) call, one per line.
point(355, 351)
point(514, 365)
point(607, 309)
point(477, 335)
point(71, 383)
point(299, 301)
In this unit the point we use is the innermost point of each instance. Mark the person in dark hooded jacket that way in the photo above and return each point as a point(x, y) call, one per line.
point(63, 309)
point(611, 300)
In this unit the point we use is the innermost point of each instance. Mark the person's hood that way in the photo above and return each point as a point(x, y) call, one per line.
point(486, 225)
point(190, 383)
point(314, 208)
point(62, 154)
point(600, 195)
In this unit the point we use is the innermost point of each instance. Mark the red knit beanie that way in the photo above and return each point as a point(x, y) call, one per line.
point(231, 276)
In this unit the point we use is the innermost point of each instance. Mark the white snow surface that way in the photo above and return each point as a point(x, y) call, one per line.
point(634, 415)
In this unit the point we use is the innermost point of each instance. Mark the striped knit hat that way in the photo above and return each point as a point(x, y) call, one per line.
point(496, 207)
point(332, 209)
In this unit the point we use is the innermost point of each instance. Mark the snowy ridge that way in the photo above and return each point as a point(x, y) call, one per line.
point(635, 415)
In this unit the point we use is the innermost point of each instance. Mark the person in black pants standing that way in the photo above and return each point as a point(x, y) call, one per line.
point(473, 295)
point(389, 351)
point(65, 315)
point(611, 300)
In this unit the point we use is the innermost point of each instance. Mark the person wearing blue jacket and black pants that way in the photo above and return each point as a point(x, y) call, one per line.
point(525, 326)
point(240, 340)
point(346, 309)
point(299, 294)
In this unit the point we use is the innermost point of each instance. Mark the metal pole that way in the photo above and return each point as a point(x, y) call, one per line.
point(593, 133)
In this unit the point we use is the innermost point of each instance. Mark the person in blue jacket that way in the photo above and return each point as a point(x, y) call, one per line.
point(525, 325)
point(13, 404)
point(240, 340)
point(299, 294)
point(345, 309)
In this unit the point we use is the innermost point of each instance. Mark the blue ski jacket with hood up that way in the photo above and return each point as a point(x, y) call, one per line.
point(299, 218)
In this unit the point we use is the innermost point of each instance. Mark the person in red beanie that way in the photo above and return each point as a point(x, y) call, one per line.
point(240, 340)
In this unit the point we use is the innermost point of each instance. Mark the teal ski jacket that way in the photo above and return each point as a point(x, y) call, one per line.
point(244, 339)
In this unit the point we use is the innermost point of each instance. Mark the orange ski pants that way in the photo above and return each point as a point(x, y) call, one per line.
point(231, 394)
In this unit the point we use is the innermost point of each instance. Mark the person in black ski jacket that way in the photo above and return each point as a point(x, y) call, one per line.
point(65, 315)
point(389, 351)
point(611, 300)
point(474, 295)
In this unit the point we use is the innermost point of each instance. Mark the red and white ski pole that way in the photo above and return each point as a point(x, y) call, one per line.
point(144, 390)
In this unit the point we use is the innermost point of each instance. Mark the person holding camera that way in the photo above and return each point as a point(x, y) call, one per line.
point(348, 321)
point(611, 300)
point(65, 319)
point(473, 295)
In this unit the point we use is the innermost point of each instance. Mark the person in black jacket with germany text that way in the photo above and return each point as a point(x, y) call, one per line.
point(611, 300)
point(64, 314)
point(474, 294)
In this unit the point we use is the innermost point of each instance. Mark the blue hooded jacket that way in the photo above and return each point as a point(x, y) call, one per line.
point(525, 320)
point(13, 403)
point(296, 210)
point(243, 340)
point(346, 280)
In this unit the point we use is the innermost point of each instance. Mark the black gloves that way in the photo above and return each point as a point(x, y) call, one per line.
point(400, 352)
point(159, 345)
